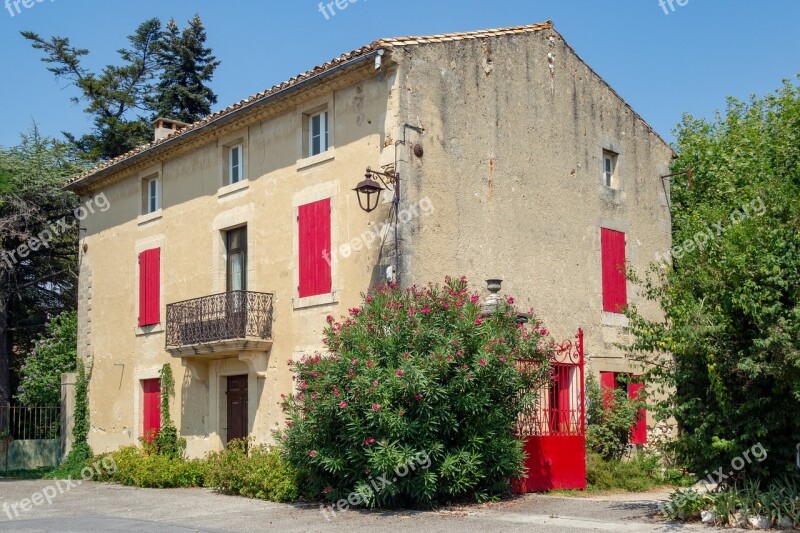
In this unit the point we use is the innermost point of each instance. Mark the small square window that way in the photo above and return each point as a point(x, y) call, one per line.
point(235, 164)
point(610, 177)
point(318, 133)
point(151, 195)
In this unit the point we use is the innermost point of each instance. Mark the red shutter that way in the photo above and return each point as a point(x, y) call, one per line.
point(149, 287)
point(314, 228)
point(615, 287)
point(639, 429)
point(151, 407)
point(608, 383)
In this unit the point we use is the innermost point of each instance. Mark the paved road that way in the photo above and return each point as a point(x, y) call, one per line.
point(100, 507)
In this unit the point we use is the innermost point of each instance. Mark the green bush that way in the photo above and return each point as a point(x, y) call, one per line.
point(139, 469)
point(420, 388)
point(54, 353)
point(609, 419)
point(253, 471)
point(639, 473)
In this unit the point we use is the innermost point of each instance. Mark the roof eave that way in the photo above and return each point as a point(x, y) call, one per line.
point(219, 122)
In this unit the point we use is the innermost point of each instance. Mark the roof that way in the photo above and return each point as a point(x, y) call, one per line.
point(361, 53)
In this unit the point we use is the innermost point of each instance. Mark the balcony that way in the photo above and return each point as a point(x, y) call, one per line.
point(231, 322)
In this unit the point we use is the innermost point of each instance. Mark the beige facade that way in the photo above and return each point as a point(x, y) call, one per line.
point(513, 126)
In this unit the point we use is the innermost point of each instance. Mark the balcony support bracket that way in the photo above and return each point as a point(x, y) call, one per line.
point(257, 362)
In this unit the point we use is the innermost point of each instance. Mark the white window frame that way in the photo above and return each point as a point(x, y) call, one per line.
point(610, 178)
point(153, 200)
point(237, 163)
point(324, 134)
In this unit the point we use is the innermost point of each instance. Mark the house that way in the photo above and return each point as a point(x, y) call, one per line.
point(229, 241)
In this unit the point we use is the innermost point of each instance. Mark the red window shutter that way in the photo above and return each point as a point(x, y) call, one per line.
point(151, 408)
point(314, 228)
point(608, 383)
point(615, 286)
point(639, 429)
point(149, 287)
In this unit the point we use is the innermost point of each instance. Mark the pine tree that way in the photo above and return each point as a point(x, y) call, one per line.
point(187, 66)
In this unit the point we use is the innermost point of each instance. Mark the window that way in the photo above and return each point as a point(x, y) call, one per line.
point(611, 381)
point(615, 289)
point(151, 196)
point(149, 287)
point(318, 133)
point(314, 235)
point(610, 178)
point(235, 164)
point(236, 246)
point(151, 407)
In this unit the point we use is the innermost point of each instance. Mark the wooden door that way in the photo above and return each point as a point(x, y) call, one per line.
point(237, 407)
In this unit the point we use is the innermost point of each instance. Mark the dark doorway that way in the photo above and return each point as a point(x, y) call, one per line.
point(237, 407)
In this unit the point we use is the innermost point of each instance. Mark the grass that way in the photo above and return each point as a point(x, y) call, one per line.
point(39, 473)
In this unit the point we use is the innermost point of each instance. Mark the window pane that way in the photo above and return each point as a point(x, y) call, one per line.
point(325, 132)
point(316, 134)
point(236, 272)
point(152, 196)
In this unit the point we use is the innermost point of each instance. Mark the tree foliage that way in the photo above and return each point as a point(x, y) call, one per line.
point(53, 354)
point(732, 305)
point(160, 73)
point(610, 415)
point(420, 389)
point(35, 285)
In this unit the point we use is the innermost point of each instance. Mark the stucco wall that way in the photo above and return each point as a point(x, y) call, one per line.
point(195, 211)
point(515, 128)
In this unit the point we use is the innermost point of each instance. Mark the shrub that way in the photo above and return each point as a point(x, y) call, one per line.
point(166, 441)
point(139, 469)
point(54, 353)
point(609, 419)
point(639, 473)
point(418, 387)
point(253, 471)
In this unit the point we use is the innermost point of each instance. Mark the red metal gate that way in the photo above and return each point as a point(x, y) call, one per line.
point(554, 429)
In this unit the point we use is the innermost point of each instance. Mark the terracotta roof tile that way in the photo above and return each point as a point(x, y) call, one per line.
point(381, 43)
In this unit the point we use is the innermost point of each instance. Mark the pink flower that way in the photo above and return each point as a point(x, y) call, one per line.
point(510, 300)
point(303, 385)
point(312, 453)
point(504, 358)
point(370, 299)
point(354, 362)
point(459, 353)
point(473, 298)
point(286, 437)
point(369, 441)
point(342, 404)
point(478, 321)
point(370, 364)
point(354, 311)
point(329, 319)
point(313, 395)
point(376, 407)
point(418, 397)
point(482, 362)
point(301, 396)
point(399, 373)
point(375, 383)
point(336, 392)
point(426, 310)
point(446, 305)
point(328, 490)
point(459, 304)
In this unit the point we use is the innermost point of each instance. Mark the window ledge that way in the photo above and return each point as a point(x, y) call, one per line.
point(144, 220)
point(614, 319)
point(229, 190)
point(313, 301)
point(143, 331)
point(316, 159)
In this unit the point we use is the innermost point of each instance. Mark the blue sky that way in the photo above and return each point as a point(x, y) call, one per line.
point(663, 64)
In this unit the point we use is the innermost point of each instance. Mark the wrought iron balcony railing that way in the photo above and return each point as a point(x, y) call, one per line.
point(230, 316)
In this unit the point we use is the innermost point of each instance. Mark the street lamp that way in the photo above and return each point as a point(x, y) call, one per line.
point(369, 190)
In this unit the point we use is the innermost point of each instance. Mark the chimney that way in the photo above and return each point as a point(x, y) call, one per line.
point(164, 127)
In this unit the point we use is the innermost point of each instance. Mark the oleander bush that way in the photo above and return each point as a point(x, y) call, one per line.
point(417, 400)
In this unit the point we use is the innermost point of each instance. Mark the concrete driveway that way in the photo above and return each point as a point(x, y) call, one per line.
point(100, 507)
